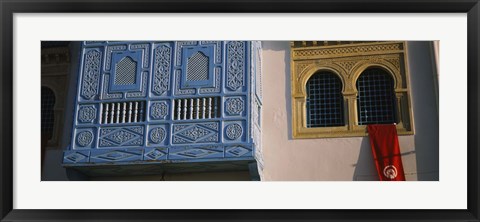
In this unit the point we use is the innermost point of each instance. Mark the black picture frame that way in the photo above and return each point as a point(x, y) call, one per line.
point(9, 7)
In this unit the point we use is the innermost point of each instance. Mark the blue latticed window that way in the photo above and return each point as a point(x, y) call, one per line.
point(122, 112)
point(376, 97)
point(165, 104)
point(47, 113)
point(125, 71)
point(196, 108)
point(324, 100)
point(197, 67)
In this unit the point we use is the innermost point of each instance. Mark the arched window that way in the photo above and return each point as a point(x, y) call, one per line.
point(47, 113)
point(125, 73)
point(197, 67)
point(324, 100)
point(376, 97)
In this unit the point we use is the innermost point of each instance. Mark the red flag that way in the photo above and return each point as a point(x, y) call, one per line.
point(386, 152)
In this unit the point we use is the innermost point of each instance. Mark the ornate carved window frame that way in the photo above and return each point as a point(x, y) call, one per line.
point(348, 61)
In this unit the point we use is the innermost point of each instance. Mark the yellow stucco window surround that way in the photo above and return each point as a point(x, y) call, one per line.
point(348, 60)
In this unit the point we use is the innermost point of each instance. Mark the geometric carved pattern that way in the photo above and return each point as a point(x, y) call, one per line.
point(161, 77)
point(84, 138)
point(110, 50)
point(157, 135)
point(143, 88)
point(216, 89)
point(237, 150)
point(159, 110)
point(155, 154)
point(115, 155)
point(195, 133)
point(178, 89)
point(395, 62)
point(342, 51)
point(91, 74)
point(197, 67)
point(180, 44)
point(109, 79)
point(233, 131)
point(86, 114)
point(196, 153)
point(125, 71)
point(347, 65)
point(300, 67)
point(75, 157)
point(234, 106)
point(235, 65)
point(145, 48)
point(121, 136)
point(105, 91)
point(218, 49)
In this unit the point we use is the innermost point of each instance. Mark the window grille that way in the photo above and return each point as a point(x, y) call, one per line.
point(376, 98)
point(123, 112)
point(197, 67)
point(196, 108)
point(47, 112)
point(125, 71)
point(324, 100)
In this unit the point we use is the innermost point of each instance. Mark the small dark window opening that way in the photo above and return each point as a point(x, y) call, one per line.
point(376, 97)
point(324, 100)
point(123, 112)
point(197, 67)
point(125, 72)
point(47, 112)
point(196, 108)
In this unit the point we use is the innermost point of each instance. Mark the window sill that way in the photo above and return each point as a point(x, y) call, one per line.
point(339, 132)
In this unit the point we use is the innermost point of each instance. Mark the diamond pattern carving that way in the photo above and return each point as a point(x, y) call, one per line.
point(237, 151)
point(155, 154)
point(195, 133)
point(119, 136)
point(196, 153)
point(76, 157)
point(115, 155)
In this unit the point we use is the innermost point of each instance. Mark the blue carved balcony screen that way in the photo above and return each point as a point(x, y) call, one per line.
point(175, 106)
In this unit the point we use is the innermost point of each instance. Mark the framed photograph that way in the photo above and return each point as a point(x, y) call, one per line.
point(206, 110)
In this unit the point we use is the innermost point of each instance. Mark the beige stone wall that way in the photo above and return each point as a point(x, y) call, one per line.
point(344, 159)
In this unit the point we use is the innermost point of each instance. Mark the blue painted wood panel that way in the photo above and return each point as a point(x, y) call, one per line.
point(163, 102)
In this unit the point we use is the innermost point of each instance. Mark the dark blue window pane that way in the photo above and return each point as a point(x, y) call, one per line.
point(324, 100)
point(376, 97)
point(47, 114)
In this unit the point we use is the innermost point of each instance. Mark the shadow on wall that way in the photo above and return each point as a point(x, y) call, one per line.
point(365, 166)
point(283, 46)
point(426, 123)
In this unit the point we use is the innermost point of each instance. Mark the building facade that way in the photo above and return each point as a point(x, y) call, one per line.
point(237, 110)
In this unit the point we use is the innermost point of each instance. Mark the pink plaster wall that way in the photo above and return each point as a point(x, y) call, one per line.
point(334, 159)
